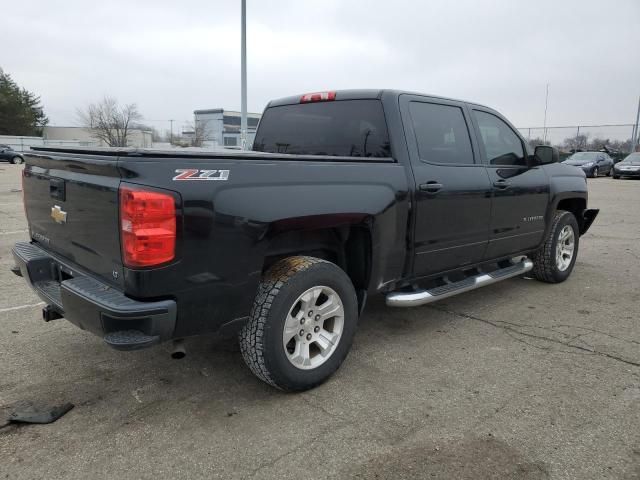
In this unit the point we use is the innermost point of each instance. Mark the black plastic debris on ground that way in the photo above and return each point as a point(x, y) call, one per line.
point(27, 413)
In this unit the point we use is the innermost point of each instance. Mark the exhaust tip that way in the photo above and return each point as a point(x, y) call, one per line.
point(178, 350)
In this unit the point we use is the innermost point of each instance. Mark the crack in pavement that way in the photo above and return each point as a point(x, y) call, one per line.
point(511, 327)
point(272, 462)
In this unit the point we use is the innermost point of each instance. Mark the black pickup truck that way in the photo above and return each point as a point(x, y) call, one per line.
point(345, 194)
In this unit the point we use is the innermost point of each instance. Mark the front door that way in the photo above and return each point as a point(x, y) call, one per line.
point(453, 192)
point(520, 188)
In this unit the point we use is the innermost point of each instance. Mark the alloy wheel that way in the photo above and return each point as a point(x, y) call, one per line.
point(313, 327)
point(565, 248)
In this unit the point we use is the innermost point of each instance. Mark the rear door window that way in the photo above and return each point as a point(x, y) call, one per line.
point(346, 128)
point(441, 133)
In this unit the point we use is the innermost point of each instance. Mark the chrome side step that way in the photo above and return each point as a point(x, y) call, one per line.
point(421, 297)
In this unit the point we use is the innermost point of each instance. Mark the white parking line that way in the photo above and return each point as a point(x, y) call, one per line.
point(14, 232)
point(11, 309)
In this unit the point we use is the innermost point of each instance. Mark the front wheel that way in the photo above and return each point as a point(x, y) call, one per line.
point(594, 172)
point(302, 323)
point(16, 160)
point(555, 260)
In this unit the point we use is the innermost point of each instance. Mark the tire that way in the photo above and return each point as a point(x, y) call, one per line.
point(16, 160)
point(279, 304)
point(616, 177)
point(547, 266)
point(594, 172)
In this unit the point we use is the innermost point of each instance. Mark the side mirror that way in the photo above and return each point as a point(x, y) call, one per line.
point(546, 154)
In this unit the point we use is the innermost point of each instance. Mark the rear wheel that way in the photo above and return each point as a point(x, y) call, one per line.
point(554, 262)
point(16, 160)
point(302, 324)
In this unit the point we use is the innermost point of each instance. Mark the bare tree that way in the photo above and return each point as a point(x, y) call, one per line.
point(600, 144)
point(621, 145)
point(534, 142)
point(579, 142)
point(200, 133)
point(110, 122)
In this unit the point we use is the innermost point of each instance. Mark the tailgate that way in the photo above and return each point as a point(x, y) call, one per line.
point(71, 202)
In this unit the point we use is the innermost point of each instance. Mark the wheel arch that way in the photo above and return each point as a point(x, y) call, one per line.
point(348, 245)
point(576, 206)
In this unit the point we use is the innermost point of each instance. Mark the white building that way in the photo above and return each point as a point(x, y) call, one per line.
point(221, 128)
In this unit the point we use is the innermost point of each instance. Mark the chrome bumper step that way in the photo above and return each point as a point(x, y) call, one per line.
point(421, 297)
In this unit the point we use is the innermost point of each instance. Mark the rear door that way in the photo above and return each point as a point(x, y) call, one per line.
point(71, 203)
point(520, 189)
point(453, 192)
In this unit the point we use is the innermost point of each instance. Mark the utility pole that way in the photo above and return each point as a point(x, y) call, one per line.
point(171, 132)
point(243, 80)
point(546, 104)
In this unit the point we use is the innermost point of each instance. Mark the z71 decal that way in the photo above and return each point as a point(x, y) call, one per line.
point(194, 174)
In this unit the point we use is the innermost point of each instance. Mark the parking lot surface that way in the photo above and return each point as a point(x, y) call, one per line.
point(516, 380)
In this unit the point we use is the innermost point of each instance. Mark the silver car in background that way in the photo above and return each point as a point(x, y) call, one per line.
point(629, 167)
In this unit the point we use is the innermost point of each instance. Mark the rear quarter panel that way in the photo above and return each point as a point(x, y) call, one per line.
point(228, 225)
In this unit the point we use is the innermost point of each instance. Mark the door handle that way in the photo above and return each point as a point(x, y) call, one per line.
point(501, 184)
point(430, 187)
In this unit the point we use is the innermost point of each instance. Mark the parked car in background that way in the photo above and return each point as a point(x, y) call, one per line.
point(9, 154)
point(592, 163)
point(629, 167)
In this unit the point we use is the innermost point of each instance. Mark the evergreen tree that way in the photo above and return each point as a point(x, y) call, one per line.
point(20, 110)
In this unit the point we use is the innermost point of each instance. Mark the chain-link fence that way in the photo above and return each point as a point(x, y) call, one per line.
point(616, 137)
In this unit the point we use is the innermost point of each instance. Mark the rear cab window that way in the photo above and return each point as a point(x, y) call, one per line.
point(441, 133)
point(345, 128)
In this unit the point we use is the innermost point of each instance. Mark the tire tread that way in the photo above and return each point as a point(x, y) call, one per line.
point(251, 335)
point(544, 259)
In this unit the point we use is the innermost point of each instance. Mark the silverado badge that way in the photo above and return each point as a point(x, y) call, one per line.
point(59, 215)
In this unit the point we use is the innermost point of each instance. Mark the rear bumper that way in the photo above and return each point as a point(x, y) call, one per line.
point(123, 323)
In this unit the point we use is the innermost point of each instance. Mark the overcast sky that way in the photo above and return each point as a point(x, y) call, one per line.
point(171, 57)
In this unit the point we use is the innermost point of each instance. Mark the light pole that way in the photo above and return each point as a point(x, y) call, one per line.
point(546, 104)
point(243, 81)
point(636, 131)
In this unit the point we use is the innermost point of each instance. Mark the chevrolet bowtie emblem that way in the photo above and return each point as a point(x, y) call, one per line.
point(59, 215)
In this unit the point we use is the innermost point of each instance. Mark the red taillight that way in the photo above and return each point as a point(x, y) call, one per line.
point(318, 97)
point(147, 227)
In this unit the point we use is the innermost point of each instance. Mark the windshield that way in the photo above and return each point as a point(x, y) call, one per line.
point(347, 128)
point(583, 157)
point(633, 158)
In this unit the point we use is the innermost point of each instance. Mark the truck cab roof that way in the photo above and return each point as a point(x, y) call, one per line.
point(364, 93)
